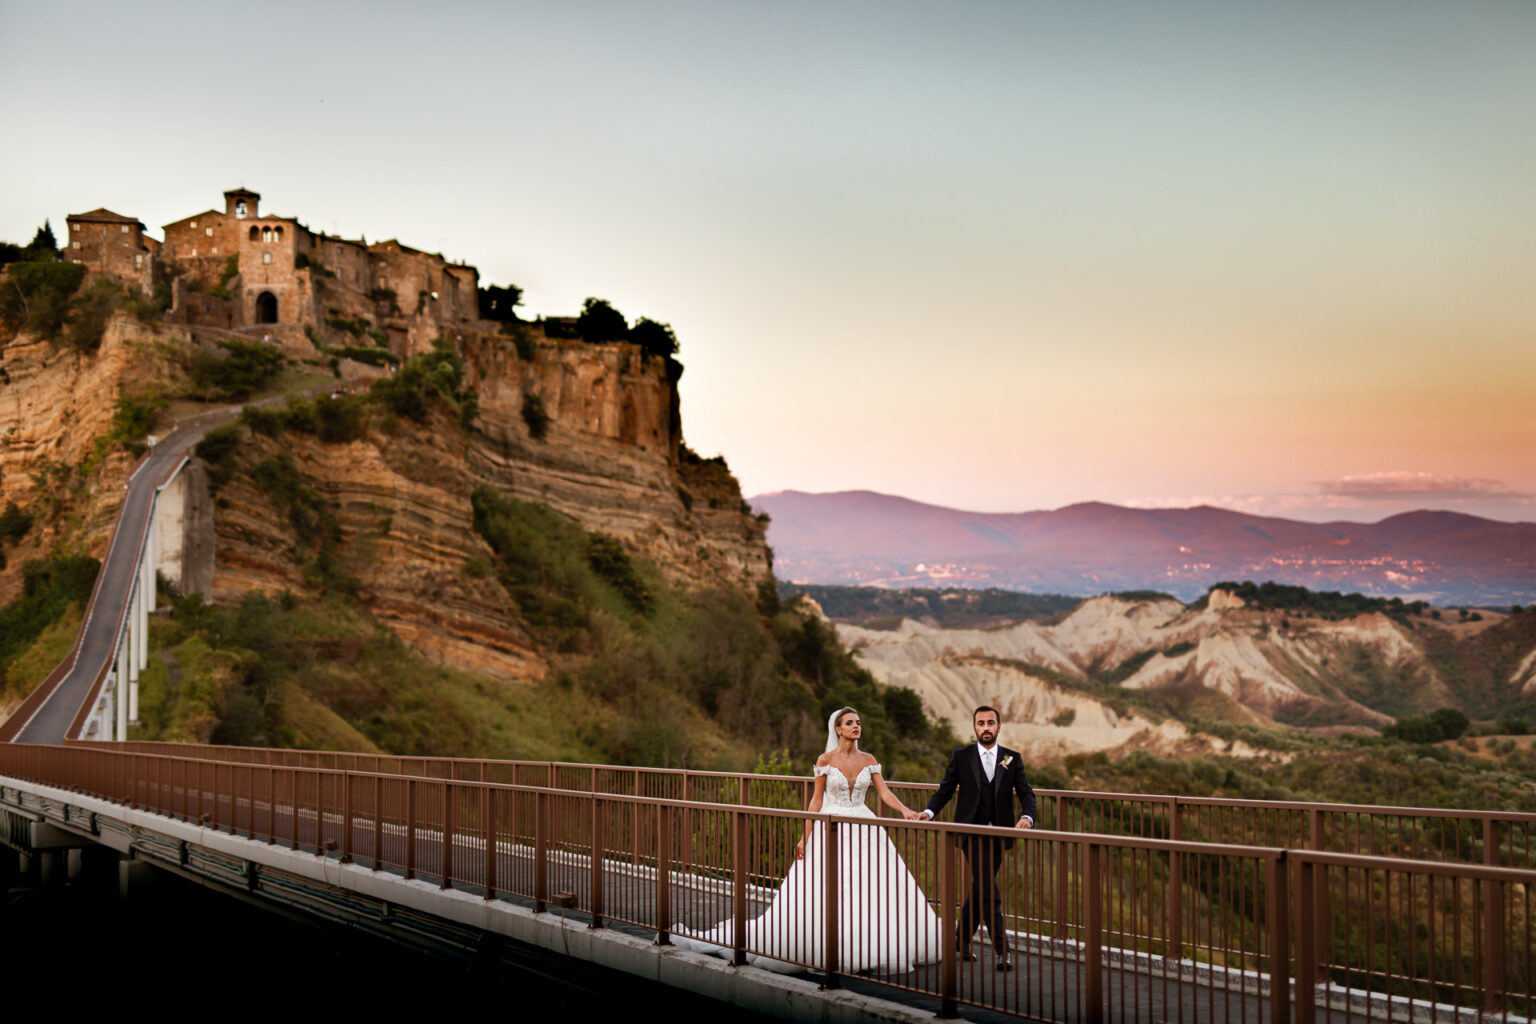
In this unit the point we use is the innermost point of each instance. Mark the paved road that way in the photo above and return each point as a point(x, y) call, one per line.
point(97, 643)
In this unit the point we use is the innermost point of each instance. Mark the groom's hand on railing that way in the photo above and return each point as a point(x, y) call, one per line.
point(1025, 822)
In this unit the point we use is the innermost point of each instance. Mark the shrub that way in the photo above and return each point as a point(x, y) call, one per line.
point(218, 448)
point(340, 419)
point(522, 340)
point(14, 523)
point(600, 322)
point(363, 354)
point(610, 561)
point(436, 375)
point(89, 314)
point(245, 369)
point(535, 415)
point(654, 339)
point(134, 417)
point(231, 268)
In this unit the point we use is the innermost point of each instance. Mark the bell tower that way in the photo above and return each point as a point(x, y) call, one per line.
point(241, 203)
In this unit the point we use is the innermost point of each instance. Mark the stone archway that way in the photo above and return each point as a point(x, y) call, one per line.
point(266, 308)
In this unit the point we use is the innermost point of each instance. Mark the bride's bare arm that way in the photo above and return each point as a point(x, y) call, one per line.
point(814, 806)
point(887, 797)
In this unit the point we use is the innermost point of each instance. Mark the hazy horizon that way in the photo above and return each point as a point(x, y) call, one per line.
point(989, 256)
point(1142, 508)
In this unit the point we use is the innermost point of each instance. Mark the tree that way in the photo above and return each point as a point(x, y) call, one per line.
point(1453, 723)
point(500, 304)
point(44, 246)
point(654, 339)
point(599, 321)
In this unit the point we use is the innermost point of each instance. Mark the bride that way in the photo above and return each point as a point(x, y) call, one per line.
point(883, 921)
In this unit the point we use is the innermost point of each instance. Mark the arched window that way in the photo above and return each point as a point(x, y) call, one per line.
point(255, 234)
point(277, 234)
point(266, 234)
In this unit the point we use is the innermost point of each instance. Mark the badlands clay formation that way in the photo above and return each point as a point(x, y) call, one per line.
point(1269, 672)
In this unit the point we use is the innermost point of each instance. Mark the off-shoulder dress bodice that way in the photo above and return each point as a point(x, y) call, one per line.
point(844, 797)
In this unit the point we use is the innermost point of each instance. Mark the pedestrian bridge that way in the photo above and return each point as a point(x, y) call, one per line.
point(1120, 907)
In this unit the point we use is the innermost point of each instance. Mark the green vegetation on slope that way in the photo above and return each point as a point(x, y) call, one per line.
point(49, 588)
point(1349, 769)
point(663, 658)
point(1327, 604)
point(949, 608)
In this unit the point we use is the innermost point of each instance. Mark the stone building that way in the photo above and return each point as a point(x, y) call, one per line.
point(239, 268)
point(109, 243)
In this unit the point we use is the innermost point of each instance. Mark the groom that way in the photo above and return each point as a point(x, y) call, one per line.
point(987, 776)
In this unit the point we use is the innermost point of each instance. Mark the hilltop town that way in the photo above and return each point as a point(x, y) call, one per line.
point(238, 267)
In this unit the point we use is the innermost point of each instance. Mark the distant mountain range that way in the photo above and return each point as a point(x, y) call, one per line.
point(861, 537)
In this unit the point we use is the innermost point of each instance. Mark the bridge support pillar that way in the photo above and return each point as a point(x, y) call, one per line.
point(133, 877)
point(120, 692)
point(50, 867)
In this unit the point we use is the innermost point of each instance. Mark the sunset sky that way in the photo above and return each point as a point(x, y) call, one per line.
point(997, 256)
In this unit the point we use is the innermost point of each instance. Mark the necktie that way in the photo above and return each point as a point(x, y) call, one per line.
point(987, 757)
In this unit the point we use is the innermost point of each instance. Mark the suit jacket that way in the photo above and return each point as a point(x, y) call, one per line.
point(965, 774)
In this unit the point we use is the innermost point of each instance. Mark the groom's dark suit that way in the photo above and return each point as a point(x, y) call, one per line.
point(984, 803)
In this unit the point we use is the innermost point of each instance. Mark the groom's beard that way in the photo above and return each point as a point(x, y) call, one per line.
point(987, 738)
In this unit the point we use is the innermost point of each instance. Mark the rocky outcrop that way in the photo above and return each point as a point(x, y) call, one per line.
point(56, 407)
point(611, 456)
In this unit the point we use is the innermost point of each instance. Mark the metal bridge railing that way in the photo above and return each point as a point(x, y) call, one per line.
point(1492, 838)
point(1102, 925)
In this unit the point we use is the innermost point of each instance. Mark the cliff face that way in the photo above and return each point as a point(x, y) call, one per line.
point(56, 406)
point(400, 498)
point(610, 458)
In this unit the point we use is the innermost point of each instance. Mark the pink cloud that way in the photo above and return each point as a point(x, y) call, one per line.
point(1398, 485)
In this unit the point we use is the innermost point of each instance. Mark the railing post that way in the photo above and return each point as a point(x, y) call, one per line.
point(687, 823)
point(1317, 841)
point(1278, 907)
point(663, 875)
point(293, 817)
point(598, 855)
point(488, 830)
point(271, 805)
point(378, 821)
point(540, 854)
point(830, 905)
point(1306, 944)
point(1493, 923)
point(1093, 938)
point(1175, 882)
point(319, 812)
point(1063, 918)
point(949, 982)
point(447, 833)
point(739, 887)
point(410, 828)
point(346, 818)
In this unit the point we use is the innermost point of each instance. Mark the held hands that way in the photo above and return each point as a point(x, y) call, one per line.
point(912, 815)
point(1025, 822)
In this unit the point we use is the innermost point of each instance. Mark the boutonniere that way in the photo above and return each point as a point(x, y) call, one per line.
point(1006, 761)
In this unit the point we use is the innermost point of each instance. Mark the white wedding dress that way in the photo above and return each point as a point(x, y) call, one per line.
point(884, 922)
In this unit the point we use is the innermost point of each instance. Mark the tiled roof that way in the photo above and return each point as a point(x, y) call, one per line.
point(103, 215)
